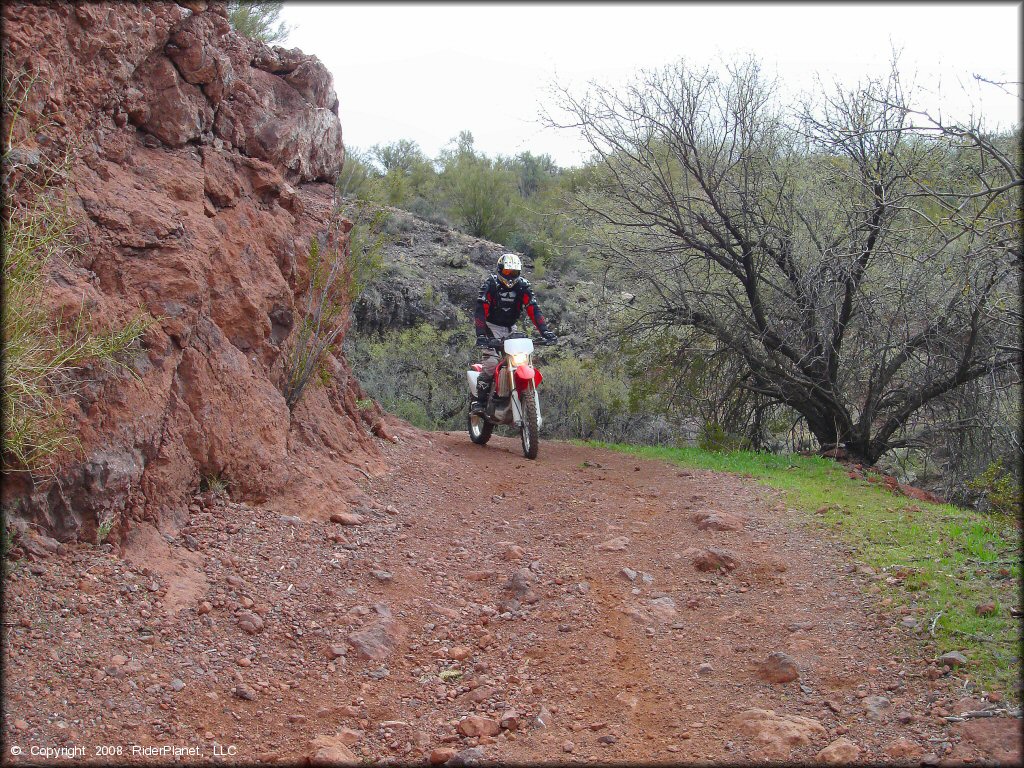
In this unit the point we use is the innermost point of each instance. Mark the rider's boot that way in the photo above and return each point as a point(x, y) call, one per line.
point(483, 392)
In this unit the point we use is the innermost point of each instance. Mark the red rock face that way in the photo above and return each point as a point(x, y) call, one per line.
point(203, 164)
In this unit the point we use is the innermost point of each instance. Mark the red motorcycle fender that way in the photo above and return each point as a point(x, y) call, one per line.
point(524, 375)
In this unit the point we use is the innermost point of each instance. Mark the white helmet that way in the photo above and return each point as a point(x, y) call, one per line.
point(509, 267)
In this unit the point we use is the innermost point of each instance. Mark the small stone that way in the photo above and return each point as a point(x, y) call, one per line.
point(509, 720)
point(335, 651)
point(346, 518)
point(21, 725)
point(842, 750)
point(607, 739)
point(512, 552)
point(250, 622)
point(204, 608)
point(459, 653)
point(719, 521)
point(629, 573)
point(705, 669)
point(568, 747)
point(475, 725)
point(779, 668)
point(244, 692)
point(903, 748)
point(616, 544)
point(329, 750)
point(712, 559)
point(627, 699)
point(177, 685)
point(244, 662)
point(953, 659)
point(875, 706)
point(441, 755)
point(349, 736)
point(471, 756)
point(382, 576)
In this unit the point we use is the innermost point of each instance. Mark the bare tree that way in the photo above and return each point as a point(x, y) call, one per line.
point(800, 245)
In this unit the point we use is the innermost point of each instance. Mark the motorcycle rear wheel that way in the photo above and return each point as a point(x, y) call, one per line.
point(530, 429)
point(479, 428)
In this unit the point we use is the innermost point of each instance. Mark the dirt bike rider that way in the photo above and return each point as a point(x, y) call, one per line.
point(502, 299)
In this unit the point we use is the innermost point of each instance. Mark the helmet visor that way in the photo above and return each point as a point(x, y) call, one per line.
point(510, 274)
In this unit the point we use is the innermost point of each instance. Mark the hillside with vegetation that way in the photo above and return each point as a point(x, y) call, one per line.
point(843, 277)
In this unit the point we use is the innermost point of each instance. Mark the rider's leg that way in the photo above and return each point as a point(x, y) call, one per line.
point(485, 381)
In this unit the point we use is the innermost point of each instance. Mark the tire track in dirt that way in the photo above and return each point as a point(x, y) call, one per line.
point(450, 526)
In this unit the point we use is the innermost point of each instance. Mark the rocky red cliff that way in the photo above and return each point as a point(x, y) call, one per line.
point(202, 164)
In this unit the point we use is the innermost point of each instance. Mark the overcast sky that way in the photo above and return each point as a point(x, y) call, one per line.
point(426, 71)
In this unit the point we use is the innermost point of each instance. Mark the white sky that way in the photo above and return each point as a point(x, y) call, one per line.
point(426, 71)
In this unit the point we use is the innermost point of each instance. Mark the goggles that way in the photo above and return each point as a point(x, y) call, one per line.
point(510, 273)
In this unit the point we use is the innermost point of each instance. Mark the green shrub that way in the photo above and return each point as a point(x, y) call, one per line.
point(714, 438)
point(256, 19)
point(1001, 490)
point(339, 269)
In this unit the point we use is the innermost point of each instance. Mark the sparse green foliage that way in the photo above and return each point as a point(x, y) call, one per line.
point(1002, 491)
point(41, 354)
point(481, 196)
point(103, 530)
point(214, 483)
point(416, 373)
point(713, 438)
point(356, 173)
point(258, 20)
point(339, 267)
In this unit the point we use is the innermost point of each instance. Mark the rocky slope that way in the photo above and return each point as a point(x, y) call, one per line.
point(432, 273)
point(201, 165)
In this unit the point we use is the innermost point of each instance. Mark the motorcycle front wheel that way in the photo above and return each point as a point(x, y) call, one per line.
point(530, 428)
point(479, 428)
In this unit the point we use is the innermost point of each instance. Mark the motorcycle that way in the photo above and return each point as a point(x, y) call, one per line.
point(515, 401)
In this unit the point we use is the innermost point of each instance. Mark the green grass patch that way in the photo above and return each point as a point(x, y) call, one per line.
point(943, 561)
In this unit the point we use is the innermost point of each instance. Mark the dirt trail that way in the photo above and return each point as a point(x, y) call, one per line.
point(476, 562)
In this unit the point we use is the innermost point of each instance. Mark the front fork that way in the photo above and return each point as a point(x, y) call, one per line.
point(517, 406)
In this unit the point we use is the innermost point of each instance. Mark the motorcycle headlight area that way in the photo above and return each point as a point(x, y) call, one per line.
point(520, 359)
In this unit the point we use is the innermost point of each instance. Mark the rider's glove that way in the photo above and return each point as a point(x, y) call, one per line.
point(550, 337)
point(483, 341)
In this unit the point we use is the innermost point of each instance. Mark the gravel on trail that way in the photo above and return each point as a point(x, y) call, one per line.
point(574, 609)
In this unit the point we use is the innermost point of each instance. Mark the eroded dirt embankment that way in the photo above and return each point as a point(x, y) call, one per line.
point(483, 606)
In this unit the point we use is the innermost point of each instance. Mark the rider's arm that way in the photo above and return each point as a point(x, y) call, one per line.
point(533, 310)
point(483, 309)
